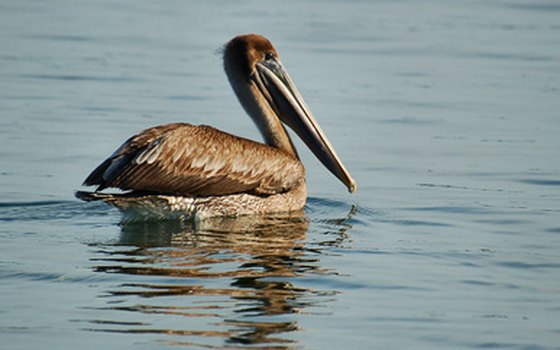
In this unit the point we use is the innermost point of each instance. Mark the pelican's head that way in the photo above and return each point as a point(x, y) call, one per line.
point(269, 96)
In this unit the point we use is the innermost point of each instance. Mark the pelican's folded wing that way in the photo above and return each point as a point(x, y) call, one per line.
point(184, 159)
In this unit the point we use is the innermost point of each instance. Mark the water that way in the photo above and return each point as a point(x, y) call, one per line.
point(445, 113)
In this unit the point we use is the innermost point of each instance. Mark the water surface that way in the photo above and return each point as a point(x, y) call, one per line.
point(445, 113)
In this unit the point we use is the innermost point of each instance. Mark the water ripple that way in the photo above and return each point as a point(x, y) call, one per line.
point(540, 182)
point(49, 210)
point(62, 37)
point(528, 266)
point(70, 77)
point(457, 210)
point(225, 270)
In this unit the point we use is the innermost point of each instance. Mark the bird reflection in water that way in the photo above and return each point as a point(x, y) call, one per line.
point(228, 282)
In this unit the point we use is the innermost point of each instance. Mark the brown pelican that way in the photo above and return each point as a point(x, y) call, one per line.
point(185, 170)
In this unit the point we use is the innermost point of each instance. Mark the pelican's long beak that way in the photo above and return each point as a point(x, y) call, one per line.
point(278, 88)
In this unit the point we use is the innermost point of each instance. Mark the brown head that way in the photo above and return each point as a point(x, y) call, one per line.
point(242, 53)
point(270, 97)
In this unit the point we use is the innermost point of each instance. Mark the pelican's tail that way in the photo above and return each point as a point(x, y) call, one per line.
point(93, 196)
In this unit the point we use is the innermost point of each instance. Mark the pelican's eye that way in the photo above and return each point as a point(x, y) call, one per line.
point(269, 56)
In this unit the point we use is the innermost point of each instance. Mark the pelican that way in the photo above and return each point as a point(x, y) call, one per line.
point(197, 171)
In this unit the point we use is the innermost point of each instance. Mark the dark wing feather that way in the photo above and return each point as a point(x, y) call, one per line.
point(183, 159)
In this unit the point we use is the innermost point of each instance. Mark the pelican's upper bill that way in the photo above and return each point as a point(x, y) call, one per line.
point(199, 170)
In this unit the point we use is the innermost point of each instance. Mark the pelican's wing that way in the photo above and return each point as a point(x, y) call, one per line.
point(184, 159)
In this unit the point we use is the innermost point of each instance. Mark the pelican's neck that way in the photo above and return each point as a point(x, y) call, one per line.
point(263, 115)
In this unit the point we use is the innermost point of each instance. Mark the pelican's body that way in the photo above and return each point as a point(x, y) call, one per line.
point(183, 170)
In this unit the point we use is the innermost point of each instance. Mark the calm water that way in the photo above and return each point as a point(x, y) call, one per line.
point(446, 114)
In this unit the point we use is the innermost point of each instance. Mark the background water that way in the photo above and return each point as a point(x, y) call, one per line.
point(445, 112)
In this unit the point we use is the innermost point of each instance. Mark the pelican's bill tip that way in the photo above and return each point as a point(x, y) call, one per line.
point(353, 187)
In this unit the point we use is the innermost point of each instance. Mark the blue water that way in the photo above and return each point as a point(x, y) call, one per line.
point(445, 113)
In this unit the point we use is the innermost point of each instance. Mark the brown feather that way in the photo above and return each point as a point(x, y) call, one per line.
point(188, 160)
